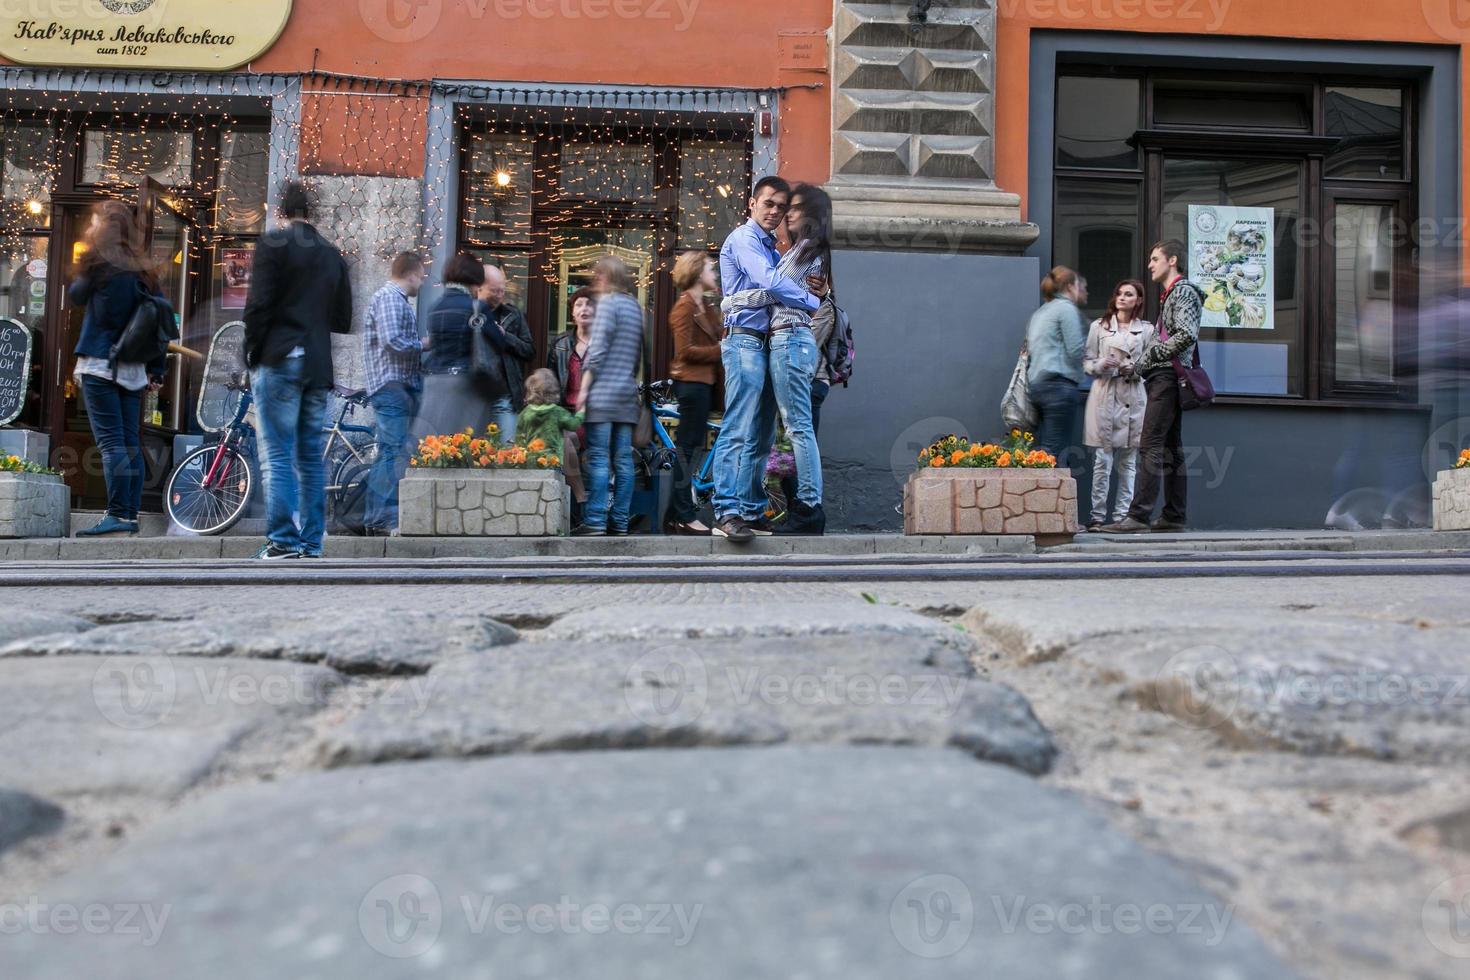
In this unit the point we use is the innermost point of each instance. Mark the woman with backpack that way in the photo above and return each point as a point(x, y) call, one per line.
point(113, 280)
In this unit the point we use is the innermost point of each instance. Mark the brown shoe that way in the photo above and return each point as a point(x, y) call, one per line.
point(1162, 526)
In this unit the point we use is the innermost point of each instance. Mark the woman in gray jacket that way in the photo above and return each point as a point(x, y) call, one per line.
point(1113, 423)
point(609, 396)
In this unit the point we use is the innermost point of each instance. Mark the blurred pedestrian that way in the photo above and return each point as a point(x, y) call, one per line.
point(695, 324)
point(510, 335)
point(300, 295)
point(454, 398)
point(1056, 337)
point(111, 283)
point(609, 397)
point(391, 352)
point(1113, 422)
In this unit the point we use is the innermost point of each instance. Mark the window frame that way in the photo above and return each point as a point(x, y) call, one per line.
point(1315, 377)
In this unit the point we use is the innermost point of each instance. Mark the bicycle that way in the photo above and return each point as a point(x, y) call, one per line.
point(664, 454)
point(211, 488)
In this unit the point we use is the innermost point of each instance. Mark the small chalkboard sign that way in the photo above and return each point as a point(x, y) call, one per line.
point(217, 403)
point(15, 369)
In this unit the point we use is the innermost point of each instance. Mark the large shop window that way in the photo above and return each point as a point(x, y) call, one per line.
point(544, 193)
point(1293, 197)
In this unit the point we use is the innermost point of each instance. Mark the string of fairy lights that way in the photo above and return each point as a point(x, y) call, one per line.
point(542, 170)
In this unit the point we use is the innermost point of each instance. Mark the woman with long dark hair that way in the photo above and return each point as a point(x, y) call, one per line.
point(110, 284)
point(1113, 423)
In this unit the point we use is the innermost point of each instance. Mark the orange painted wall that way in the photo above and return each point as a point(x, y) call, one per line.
point(1403, 21)
point(724, 43)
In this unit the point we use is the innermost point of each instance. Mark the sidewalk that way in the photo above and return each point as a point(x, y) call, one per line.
point(656, 546)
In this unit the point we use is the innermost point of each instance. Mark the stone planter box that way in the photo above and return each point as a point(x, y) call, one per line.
point(1452, 500)
point(991, 501)
point(483, 503)
point(34, 505)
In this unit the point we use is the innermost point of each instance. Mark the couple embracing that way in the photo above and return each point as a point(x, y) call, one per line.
point(772, 358)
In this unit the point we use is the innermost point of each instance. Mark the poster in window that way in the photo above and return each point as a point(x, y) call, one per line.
point(236, 275)
point(1231, 258)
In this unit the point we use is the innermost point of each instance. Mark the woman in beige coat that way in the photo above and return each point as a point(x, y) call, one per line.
point(1114, 419)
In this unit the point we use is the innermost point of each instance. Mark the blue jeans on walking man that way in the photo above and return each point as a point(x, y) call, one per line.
point(289, 419)
point(115, 414)
point(604, 439)
point(793, 364)
point(747, 432)
point(395, 405)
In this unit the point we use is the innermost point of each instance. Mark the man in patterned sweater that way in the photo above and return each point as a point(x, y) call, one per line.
point(1161, 450)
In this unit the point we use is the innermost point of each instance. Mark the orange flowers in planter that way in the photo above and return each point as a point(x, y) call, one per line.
point(1464, 461)
point(462, 450)
point(1016, 451)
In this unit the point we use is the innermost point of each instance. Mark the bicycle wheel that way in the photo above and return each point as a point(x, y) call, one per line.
point(215, 508)
point(348, 500)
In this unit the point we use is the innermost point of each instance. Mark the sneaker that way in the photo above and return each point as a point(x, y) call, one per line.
point(1166, 527)
point(588, 531)
point(274, 552)
point(734, 529)
point(1127, 526)
point(617, 532)
point(109, 525)
point(305, 554)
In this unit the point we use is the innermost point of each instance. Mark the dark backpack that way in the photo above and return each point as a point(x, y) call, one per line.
point(149, 332)
point(840, 349)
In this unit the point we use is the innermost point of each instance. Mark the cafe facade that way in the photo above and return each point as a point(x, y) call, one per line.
point(965, 152)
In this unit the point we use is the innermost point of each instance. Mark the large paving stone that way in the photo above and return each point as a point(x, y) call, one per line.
point(796, 619)
point(150, 726)
point(1298, 673)
point(359, 641)
point(536, 697)
point(23, 815)
point(19, 623)
point(811, 862)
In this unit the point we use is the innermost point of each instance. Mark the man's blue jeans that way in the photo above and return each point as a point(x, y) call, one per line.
point(604, 438)
point(395, 405)
point(793, 367)
point(748, 429)
point(115, 414)
point(504, 415)
point(289, 423)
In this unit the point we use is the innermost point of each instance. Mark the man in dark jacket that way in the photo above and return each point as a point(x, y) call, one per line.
point(513, 340)
point(299, 296)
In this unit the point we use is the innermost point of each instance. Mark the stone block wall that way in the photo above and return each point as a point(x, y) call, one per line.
point(33, 505)
point(483, 503)
point(991, 501)
point(1451, 500)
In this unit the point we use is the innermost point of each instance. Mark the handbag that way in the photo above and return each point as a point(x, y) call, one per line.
point(1016, 410)
point(487, 370)
point(1195, 388)
point(148, 332)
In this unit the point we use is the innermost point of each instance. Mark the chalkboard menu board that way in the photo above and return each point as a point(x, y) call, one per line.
point(15, 369)
point(217, 403)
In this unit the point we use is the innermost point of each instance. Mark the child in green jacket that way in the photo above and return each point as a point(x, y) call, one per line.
point(544, 418)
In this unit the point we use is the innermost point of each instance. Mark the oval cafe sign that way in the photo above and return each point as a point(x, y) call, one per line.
point(185, 34)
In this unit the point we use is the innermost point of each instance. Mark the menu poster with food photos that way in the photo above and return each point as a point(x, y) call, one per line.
point(1231, 253)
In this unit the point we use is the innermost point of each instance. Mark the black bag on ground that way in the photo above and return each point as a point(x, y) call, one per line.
point(150, 330)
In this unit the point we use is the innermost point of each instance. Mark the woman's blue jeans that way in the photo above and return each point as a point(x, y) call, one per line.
point(793, 365)
point(604, 439)
point(116, 417)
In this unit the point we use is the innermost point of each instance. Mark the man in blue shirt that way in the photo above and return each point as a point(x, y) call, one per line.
point(748, 260)
point(391, 351)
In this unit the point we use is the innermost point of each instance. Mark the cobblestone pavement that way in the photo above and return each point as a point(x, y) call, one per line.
point(1173, 777)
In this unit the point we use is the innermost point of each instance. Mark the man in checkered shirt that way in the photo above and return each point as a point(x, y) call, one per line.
point(391, 351)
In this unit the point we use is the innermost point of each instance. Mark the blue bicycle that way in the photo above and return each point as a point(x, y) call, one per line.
point(663, 454)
